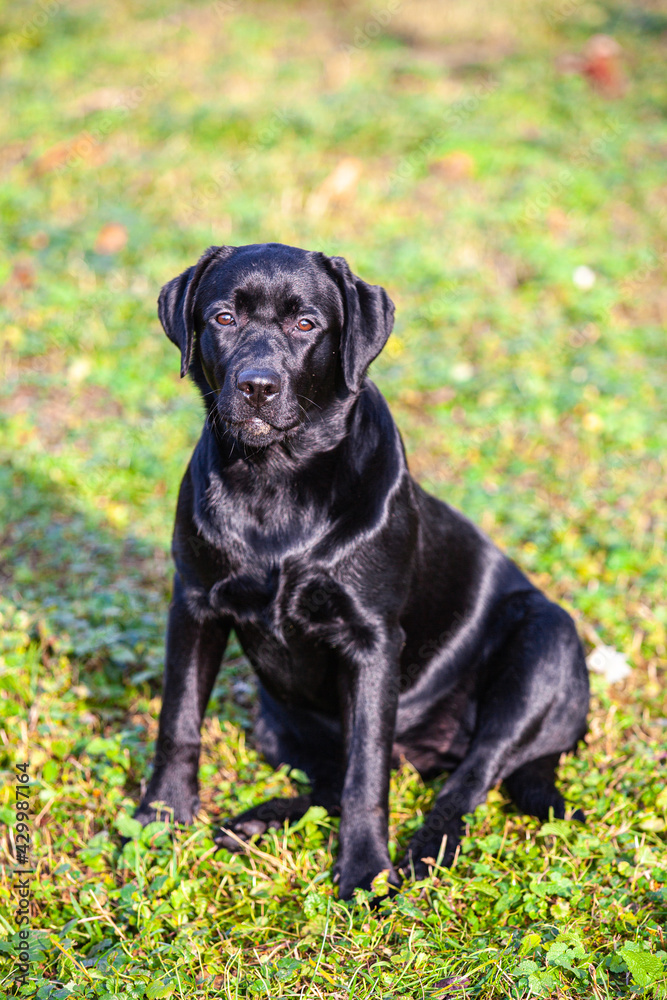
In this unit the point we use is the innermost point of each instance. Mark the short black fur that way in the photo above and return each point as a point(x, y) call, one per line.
point(381, 623)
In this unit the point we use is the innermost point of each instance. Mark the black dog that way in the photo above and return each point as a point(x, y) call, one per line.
point(380, 622)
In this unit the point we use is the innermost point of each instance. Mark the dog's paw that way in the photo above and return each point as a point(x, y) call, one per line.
point(253, 823)
point(233, 835)
point(153, 809)
point(361, 875)
point(416, 867)
point(422, 854)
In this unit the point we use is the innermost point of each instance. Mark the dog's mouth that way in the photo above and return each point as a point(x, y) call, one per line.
point(258, 427)
point(255, 426)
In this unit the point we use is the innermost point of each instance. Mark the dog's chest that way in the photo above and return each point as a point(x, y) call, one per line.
point(289, 632)
point(292, 617)
point(290, 596)
point(257, 529)
point(294, 668)
point(290, 611)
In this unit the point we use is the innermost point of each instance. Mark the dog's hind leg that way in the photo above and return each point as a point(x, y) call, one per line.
point(533, 709)
point(533, 790)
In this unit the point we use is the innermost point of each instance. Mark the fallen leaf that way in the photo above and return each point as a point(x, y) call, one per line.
point(338, 186)
point(23, 274)
point(111, 238)
point(84, 148)
point(455, 166)
point(557, 221)
point(52, 158)
point(99, 100)
point(602, 65)
point(13, 153)
point(39, 240)
point(380, 884)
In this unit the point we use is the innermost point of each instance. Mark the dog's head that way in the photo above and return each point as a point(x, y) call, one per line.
point(277, 333)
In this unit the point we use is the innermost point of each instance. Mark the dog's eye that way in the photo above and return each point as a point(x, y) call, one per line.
point(305, 325)
point(224, 319)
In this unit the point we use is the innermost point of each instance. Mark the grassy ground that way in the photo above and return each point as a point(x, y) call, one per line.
point(458, 155)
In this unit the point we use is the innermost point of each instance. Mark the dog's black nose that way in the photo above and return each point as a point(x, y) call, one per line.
point(258, 385)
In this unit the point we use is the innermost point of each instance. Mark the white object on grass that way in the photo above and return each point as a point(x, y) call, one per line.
point(610, 663)
point(583, 277)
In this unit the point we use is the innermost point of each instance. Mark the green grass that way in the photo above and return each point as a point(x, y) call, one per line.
point(480, 177)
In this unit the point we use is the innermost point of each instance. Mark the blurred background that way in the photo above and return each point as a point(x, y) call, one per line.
point(498, 167)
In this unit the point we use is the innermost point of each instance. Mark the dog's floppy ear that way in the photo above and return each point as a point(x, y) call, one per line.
point(369, 318)
point(175, 306)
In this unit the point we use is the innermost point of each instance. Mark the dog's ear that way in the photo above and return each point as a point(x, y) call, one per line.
point(369, 318)
point(175, 306)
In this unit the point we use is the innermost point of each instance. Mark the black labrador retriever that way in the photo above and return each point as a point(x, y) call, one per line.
point(381, 623)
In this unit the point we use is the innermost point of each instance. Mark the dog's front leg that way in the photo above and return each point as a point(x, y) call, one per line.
point(194, 654)
point(369, 694)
